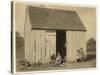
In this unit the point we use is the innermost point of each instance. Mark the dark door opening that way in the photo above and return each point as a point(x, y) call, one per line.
point(60, 43)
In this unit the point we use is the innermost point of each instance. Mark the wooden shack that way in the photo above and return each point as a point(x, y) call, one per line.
point(48, 31)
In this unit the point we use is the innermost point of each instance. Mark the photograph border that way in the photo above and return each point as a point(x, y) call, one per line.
point(13, 40)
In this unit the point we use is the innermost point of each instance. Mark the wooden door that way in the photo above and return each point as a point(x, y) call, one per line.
point(50, 42)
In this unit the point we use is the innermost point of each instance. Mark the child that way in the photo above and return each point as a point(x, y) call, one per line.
point(58, 59)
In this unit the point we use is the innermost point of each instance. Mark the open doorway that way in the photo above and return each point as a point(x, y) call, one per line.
point(60, 43)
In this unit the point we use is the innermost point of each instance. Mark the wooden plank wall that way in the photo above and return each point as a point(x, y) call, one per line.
point(38, 46)
point(33, 46)
point(75, 40)
point(43, 52)
point(50, 44)
point(27, 37)
point(43, 45)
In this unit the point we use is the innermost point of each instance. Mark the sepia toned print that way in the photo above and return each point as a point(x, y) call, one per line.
point(54, 37)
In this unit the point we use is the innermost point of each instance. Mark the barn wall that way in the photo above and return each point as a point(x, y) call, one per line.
point(39, 45)
point(35, 46)
point(27, 38)
point(75, 40)
point(50, 41)
point(43, 52)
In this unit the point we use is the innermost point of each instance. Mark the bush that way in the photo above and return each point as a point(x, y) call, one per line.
point(91, 44)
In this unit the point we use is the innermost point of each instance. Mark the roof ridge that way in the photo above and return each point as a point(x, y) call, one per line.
point(50, 8)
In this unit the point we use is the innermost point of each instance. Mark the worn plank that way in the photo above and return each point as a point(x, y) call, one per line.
point(75, 40)
point(50, 44)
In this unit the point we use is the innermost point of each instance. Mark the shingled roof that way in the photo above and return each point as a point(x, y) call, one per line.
point(46, 18)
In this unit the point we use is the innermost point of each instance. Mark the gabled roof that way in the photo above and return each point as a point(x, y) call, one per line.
point(46, 18)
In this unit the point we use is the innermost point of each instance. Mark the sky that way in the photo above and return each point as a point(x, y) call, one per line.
point(86, 14)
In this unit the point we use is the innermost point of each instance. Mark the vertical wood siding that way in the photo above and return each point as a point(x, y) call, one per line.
point(75, 40)
point(33, 46)
point(40, 45)
point(43, 52)
point(27, 38)
point(50, 44)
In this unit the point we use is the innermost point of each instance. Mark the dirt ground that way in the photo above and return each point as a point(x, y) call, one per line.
point(90, 63)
